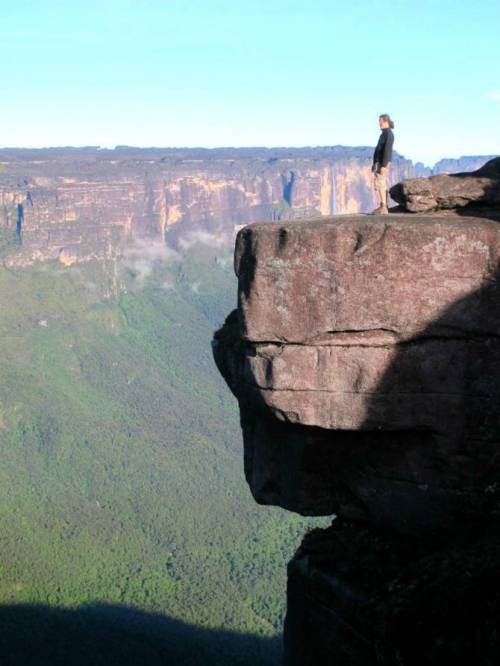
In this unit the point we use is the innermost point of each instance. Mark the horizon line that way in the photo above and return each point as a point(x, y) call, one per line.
point(120, 147)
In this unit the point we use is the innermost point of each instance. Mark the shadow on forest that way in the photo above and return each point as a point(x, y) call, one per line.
point(105, 635)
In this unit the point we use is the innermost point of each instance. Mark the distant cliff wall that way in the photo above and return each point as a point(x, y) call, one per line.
point(82, 205)
point(458, 164)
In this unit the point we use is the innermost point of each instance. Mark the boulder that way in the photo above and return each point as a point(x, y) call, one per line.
point(474, 189)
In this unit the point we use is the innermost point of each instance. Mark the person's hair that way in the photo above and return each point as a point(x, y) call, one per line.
point(387, 118)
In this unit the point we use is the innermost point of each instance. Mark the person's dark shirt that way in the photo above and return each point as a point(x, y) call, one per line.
point(383, 150)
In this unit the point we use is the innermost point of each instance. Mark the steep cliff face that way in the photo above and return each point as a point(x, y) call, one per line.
point(80, 205)
point(365, 355)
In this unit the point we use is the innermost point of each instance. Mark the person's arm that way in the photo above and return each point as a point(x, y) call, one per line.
point(387, 154)
point(375, 158)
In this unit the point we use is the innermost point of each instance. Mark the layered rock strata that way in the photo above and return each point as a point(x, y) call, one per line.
point(365, 356)
point(82, 204)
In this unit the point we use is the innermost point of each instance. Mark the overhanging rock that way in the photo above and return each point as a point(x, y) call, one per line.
point(365, 354)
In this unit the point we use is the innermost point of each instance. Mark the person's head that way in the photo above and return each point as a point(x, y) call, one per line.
point(384, 120)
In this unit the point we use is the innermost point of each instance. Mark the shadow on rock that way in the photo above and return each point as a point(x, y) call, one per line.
point(430, 595)
point(442, 386)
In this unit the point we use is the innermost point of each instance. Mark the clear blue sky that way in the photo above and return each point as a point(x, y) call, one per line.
point(252, 72)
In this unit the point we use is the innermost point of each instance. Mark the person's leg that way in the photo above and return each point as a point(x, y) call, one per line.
point(382, 194)
point(384, 191)
point(380, 186)
point(377, 195)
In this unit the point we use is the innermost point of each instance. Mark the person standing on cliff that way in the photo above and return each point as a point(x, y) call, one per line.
point(382, 157)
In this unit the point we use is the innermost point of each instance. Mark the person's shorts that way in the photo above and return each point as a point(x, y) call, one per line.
point(380, 180)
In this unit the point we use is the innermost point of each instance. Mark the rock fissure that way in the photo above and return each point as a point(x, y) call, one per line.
point(359, 392)
point(336, 340)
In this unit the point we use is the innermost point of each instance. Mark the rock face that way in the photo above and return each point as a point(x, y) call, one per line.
point(479, 188)
point(365, 356)
point(368, 359)
point(357, 597)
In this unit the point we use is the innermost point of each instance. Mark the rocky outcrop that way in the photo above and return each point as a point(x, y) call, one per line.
point(475, 189)
point(365, 355)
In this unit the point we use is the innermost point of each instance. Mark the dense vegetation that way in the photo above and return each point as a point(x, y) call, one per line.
point(121, 480)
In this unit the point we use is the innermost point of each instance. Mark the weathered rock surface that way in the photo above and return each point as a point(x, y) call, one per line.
point(365, 356)
point(366, 365)
point(479, 188)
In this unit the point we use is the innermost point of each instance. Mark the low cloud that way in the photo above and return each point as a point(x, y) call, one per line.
point(152, 250)
point(142, 257)
point(225, 261)
point(202, 237)
point(494, 96)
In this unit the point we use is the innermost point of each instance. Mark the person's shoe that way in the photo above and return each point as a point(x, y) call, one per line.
point(381, 210)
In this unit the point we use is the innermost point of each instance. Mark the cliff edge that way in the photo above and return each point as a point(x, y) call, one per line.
point(365, 356)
